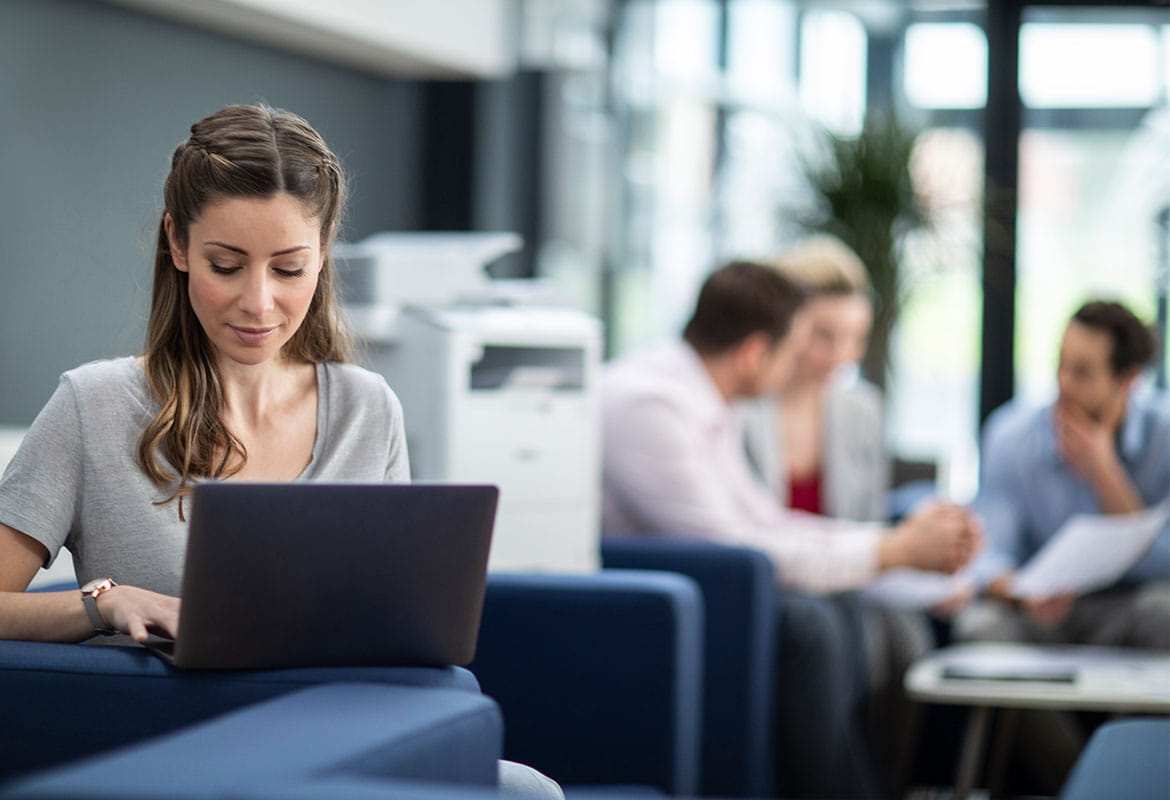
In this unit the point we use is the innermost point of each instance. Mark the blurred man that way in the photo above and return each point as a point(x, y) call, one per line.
point(1102, 448)
point(674, 463)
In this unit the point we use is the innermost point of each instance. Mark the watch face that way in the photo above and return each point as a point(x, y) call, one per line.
point(98, 585)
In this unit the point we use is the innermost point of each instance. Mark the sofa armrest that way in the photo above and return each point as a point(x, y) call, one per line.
point(739, 674)
point(1126, 758)
point(52, 694)
point(598, 676)
point(350, 730)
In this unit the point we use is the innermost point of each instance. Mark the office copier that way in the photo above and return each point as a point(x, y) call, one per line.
point(498, 383)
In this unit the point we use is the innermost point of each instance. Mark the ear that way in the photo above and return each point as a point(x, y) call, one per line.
point(750, 352)
point(1126, 382)
point(178, 255)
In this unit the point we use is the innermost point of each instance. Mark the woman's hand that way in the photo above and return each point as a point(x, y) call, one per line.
point(139, 612)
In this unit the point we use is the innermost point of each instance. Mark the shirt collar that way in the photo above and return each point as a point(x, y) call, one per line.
point(1133, 429)
point(702, 394)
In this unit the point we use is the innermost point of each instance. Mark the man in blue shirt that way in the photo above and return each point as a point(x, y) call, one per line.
point(1102, 448)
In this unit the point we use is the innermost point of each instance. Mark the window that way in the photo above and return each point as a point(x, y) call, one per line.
point(1093, 169)
point(946, 65)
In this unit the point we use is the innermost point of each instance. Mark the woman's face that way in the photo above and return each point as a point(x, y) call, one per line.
point(839, 334)
point(252, 266)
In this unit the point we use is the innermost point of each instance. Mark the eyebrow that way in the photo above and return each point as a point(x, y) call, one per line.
point(244, 252)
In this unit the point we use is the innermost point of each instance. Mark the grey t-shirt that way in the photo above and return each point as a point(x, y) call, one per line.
point(75, 482)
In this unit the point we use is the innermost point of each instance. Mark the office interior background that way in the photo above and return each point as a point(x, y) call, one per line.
point(634, 144)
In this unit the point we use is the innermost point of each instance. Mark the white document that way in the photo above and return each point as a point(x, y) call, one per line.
point(1089, 552)
point(915, 588)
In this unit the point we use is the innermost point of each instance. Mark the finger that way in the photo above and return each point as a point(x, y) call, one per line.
point(169, 624)
point(138, 629)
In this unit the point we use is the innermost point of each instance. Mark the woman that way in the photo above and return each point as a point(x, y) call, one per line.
point(819, 444)
point(244, 377)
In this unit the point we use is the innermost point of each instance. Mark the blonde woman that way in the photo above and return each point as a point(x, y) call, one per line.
point(818, 444)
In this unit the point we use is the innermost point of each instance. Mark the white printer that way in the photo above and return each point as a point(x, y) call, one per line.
point(498, 385)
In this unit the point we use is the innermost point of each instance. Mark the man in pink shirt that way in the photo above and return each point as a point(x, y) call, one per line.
point(674, 463)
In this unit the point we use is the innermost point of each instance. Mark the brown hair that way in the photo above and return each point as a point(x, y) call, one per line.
point(1133, 344)
point(737, 300)
point(239, 151)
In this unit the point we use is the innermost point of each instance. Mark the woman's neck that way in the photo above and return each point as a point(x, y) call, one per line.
point(800, 393)
point(252, 392)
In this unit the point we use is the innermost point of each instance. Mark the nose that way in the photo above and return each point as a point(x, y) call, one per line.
point(256, 296)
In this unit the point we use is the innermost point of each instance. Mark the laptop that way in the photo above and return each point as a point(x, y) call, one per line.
point(318, 574)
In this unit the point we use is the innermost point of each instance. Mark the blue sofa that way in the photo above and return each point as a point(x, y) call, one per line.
point(599, 676)
point(54, 696)
point(740, 596)
point(363, 734)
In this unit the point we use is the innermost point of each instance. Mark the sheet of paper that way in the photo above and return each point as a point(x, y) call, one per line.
point(1089, 552)
point(914, 588)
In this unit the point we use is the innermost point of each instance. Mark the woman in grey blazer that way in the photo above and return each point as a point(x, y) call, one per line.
point(818, 445)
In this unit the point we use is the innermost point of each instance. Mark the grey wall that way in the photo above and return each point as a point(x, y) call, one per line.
point(93, 100)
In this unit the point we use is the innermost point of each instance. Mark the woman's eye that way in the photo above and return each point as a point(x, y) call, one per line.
point(290, 273)
point(220, 269)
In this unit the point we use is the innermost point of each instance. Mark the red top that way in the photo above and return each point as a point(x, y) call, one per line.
point(805, 495)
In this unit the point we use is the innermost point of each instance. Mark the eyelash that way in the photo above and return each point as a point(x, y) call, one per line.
point(284, 273)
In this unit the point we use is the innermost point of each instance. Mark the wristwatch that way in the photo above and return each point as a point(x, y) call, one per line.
point(89, 596)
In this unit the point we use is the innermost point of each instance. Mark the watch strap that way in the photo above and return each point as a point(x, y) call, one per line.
point(89, 600)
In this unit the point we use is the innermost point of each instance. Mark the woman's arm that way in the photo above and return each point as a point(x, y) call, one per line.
point(37, 616)
point(61, 616)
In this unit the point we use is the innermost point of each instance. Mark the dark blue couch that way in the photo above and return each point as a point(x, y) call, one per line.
point(359, 732)
point(56, 698)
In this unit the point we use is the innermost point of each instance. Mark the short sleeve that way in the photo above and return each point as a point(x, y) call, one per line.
point(42, 486)
point(398, 462)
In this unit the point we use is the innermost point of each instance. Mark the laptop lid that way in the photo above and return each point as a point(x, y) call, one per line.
point(314, 574)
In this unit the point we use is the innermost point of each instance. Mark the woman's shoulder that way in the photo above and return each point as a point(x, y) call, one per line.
point(354, 386)
point(354, 377)
point(112, 377)
point(854, 395)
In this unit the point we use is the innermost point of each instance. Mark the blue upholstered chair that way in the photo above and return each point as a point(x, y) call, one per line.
point(1127, 760)
point(360, 733)
point(63, 701)
point(598, 676)
point(739, 593)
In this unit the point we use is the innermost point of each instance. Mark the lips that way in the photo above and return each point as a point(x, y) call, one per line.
point(252, 337)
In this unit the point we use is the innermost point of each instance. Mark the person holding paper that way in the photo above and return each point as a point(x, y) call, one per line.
point(1103, 447)
point(674, 464)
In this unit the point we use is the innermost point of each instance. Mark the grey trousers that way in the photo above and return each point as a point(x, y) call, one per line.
point(1131, 616)
point(840, 713)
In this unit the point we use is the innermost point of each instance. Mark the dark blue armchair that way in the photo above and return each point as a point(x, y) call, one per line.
point(599, 676)
point(1124, 759)
point(739, 593)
